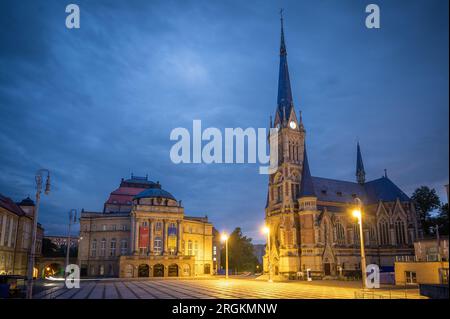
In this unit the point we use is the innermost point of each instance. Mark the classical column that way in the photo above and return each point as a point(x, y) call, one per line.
point(136, 236)
point(165, 237)
point(150, 236)
point(132, 235)
point(180, 236)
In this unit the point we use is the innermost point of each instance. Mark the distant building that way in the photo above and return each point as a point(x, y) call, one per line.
point(143, 232)
point(16, 222)
point(429, 265)
point(61, 241)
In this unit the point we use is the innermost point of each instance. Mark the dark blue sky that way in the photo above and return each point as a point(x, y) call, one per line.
point(95, 104)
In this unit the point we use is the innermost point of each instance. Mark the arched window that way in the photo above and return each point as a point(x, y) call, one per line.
point(340, 234)
point(400, 234)
point(372, 234)
point(383, 231)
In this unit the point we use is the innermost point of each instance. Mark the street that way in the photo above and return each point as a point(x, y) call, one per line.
point(213, 288)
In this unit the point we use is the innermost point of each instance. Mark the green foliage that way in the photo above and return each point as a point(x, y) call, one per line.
point(241, 256)
point(426, 200)
point(442, 220)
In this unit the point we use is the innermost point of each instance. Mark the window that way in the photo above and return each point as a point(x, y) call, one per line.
point(157, 245)
point(7, 227)
point(410, 277)
point(196, 248)
point(124, 227)
point(373, 234)
point(123, 247)
point(112, 251)
point(400, 231)
point(113, 227)
point(340, 234)
point(189, 249)
point(279, 194)
point(383, 230)
point(295, 191)
point(356, 237)
point(94, 248)
point(103, 227)
point(158, 226)
point(103, 247)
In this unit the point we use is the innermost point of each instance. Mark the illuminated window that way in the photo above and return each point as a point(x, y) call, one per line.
point(189, 249)
point(157, 245)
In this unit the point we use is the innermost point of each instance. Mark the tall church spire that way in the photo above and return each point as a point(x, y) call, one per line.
point(360, 173)
point(284, 83)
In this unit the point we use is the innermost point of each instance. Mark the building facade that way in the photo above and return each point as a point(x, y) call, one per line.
point(61, 241)
point(16, 222)
point(310, 220)
point(143, 232)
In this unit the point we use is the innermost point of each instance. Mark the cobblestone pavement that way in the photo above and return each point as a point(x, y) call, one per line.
point(215, 288)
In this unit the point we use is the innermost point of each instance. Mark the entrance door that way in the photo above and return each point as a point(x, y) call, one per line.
point(327, 269)
point(158, 270)
point(173, 271)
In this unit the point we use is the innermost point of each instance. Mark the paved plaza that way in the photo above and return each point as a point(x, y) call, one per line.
point(215, 288)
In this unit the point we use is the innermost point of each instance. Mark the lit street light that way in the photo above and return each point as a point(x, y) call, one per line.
point(357, 213)
point(32, 254)
point(266, 230)
point(224, 238)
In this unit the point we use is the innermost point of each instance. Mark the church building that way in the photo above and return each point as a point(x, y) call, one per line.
point(310, 220)
point(143, 232)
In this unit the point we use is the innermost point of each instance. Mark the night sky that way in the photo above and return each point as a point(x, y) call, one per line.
point(95, 104)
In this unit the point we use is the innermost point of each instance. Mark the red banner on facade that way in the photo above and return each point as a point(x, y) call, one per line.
point(143, 237)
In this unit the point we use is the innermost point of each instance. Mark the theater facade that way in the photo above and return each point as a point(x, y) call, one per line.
point(143, 232)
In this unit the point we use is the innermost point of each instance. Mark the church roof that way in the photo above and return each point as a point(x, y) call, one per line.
point(8, 204)
point(382, 189)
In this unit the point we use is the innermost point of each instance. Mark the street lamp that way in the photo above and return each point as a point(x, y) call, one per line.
point(224, 238)
point(39, 178)
point(72, 220)
point(357, 213)
point(266, 230)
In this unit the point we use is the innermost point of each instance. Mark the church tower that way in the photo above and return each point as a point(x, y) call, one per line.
point(284, 185)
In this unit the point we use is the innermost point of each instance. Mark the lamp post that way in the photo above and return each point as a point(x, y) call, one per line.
point(32, 254)
point(72, 220)
point(225, 239)
point(266, 230)
point(357, 213)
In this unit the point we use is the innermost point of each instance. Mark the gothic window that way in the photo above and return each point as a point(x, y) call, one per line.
point(295, 191)
point(94, 248)
point(372, 234)
point(340, 234)
point(400, 231)
point(383, 230)
point(279, 193)
point(112, 251)
point(356, 237)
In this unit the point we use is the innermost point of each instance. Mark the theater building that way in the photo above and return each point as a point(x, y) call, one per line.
point(143, 232)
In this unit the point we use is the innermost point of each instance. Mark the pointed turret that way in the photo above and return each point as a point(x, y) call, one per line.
point(284, 101)
point(360, 173)
point(306, 186)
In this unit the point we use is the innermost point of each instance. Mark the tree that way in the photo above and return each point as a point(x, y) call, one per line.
point(425, 200)
point(442, 220)
point(241, 256)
